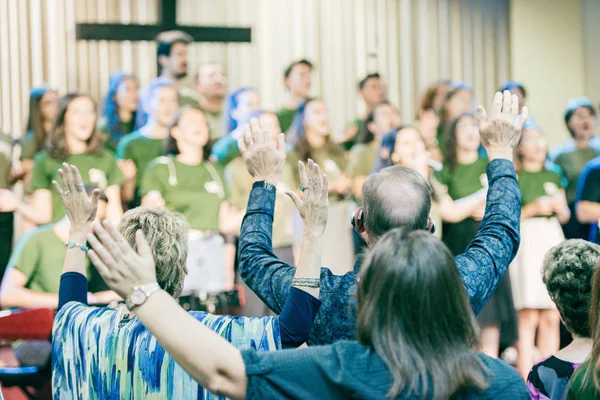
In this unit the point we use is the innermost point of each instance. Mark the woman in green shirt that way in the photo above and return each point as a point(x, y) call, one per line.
point(120, 106)
point(74, 139)
point(379, 121)
point(309, 137)
point(457, 101)
point(464, 173)
point(187, 182)
point(136, 150)
point(544, 209)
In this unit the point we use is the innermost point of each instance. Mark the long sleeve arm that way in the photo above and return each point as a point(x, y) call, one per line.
point(486, 259)
point(260, 269)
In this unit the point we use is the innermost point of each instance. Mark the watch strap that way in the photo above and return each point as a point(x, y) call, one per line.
point(147, 290)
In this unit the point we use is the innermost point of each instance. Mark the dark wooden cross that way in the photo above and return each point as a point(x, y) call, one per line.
point(167, 15)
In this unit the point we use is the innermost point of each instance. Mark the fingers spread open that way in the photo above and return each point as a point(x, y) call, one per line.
point(103, 270)
point(103, 253)
point(257, 133)
point(124, 247)
point(59, 189)
point(481, 115)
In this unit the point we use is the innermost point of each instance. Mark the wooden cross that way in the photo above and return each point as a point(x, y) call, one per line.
point(167, 13)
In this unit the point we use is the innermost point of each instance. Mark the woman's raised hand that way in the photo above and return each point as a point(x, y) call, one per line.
point(80, 208)
point(314, 205)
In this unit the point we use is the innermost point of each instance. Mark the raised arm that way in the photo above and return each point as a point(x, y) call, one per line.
point(486, 259)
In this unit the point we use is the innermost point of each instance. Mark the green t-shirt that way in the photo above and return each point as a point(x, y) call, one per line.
point(332, 162)
point(349, 144)
point(141, 150)
point(572, 163)
point(197, 191)
point(112, 139)
point(538, 184)
point(464, 179)
point(362, 160)
point(28, 146)
point(240, 184)
point(99, 170)
point(5, 160)
point(285, 117)
point(40, 255)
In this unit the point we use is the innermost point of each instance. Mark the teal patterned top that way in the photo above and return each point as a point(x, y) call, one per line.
point(98, 355)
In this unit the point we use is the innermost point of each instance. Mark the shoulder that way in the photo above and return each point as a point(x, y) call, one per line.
point(160, 163)
point(482, 162)
point(33, 238)
point(505, 381)
point(107, 155)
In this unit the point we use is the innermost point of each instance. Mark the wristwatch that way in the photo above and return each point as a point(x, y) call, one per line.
point(140, 294)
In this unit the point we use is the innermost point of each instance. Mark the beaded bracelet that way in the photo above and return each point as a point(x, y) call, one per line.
point(71, 244)
point(307, 282)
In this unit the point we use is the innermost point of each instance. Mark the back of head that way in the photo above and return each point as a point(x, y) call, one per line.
point(395, 197)
point(166, 233)
point(413, 311)
point(567, 272)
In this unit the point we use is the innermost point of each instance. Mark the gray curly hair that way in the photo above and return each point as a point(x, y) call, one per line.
point(568, 271)
point(166, 232)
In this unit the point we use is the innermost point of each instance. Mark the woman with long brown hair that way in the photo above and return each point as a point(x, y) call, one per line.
point(75, 139)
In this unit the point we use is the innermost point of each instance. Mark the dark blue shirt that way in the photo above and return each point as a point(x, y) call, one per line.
point(588, 189)
point(350, 370)
point(481, 266)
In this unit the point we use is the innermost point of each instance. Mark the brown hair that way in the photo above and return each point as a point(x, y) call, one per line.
point(451, 158)
point(57, 141)
point(414, 313)
point(426, 101)
point(35, 122)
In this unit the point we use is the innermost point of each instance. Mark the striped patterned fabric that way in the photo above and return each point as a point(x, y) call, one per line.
point(98, 355)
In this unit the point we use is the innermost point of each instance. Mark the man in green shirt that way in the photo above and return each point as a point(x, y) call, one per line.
point(33, 274)
point(372, 91)
point(297, 79)
point(211, 89)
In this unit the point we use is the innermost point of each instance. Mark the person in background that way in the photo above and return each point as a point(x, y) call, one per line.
point(544, 209)
point(373, 92)
point(7, 176)
point(43, 105)
point(518, 89)
point(428, 115)
point(409, 150)
point(571, 157)
point(568, 271)
point(380, 121)
point(458, 100)
point(309, 138)
point(120, 106)
point(297, 79)
point(240, 184)
point(75, 138)
point(240, 104)
point(89, 360)
point(187, 182)
point(211, 89)
point(147, 143)
point(587, 200)
point(464, 173)
point(33, 273)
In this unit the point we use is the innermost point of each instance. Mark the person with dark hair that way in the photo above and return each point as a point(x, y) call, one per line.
point(363, 155)
point(297, 79)
point(184, 180)
point(33, 273)
point(43, 105)
point(373, 92)
point(75, 138)
point(571, 156)
point(211, 89)
point(516, 88)
point(544, 209)
point(309, 137)
point(120, 106)
point(567, 272)
point(147, 143)
point(103, 353)
point(416, 336)
point(240, 104)
point(457, 101)
point(394, 197)
point(587, 200)
point(464, 174)
point(172, 61)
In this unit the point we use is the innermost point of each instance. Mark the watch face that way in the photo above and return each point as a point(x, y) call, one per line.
point(138, 297)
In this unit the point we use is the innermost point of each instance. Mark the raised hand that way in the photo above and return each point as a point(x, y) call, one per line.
point(120, 266)
point(501, 131)
point(80, 209)
point(314, 205)
point(264, 157)
point(128, 169)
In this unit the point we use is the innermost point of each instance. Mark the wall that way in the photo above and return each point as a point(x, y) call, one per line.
point(411, 42)
point(546, 43)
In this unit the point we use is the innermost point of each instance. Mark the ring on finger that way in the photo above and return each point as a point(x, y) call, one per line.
point(66, 192)
point(302, 188)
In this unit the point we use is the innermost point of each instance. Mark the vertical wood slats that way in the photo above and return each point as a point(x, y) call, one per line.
point(409, 42)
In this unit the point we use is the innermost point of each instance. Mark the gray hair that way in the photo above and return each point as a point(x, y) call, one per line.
point(568, 271)
point(395, 197)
